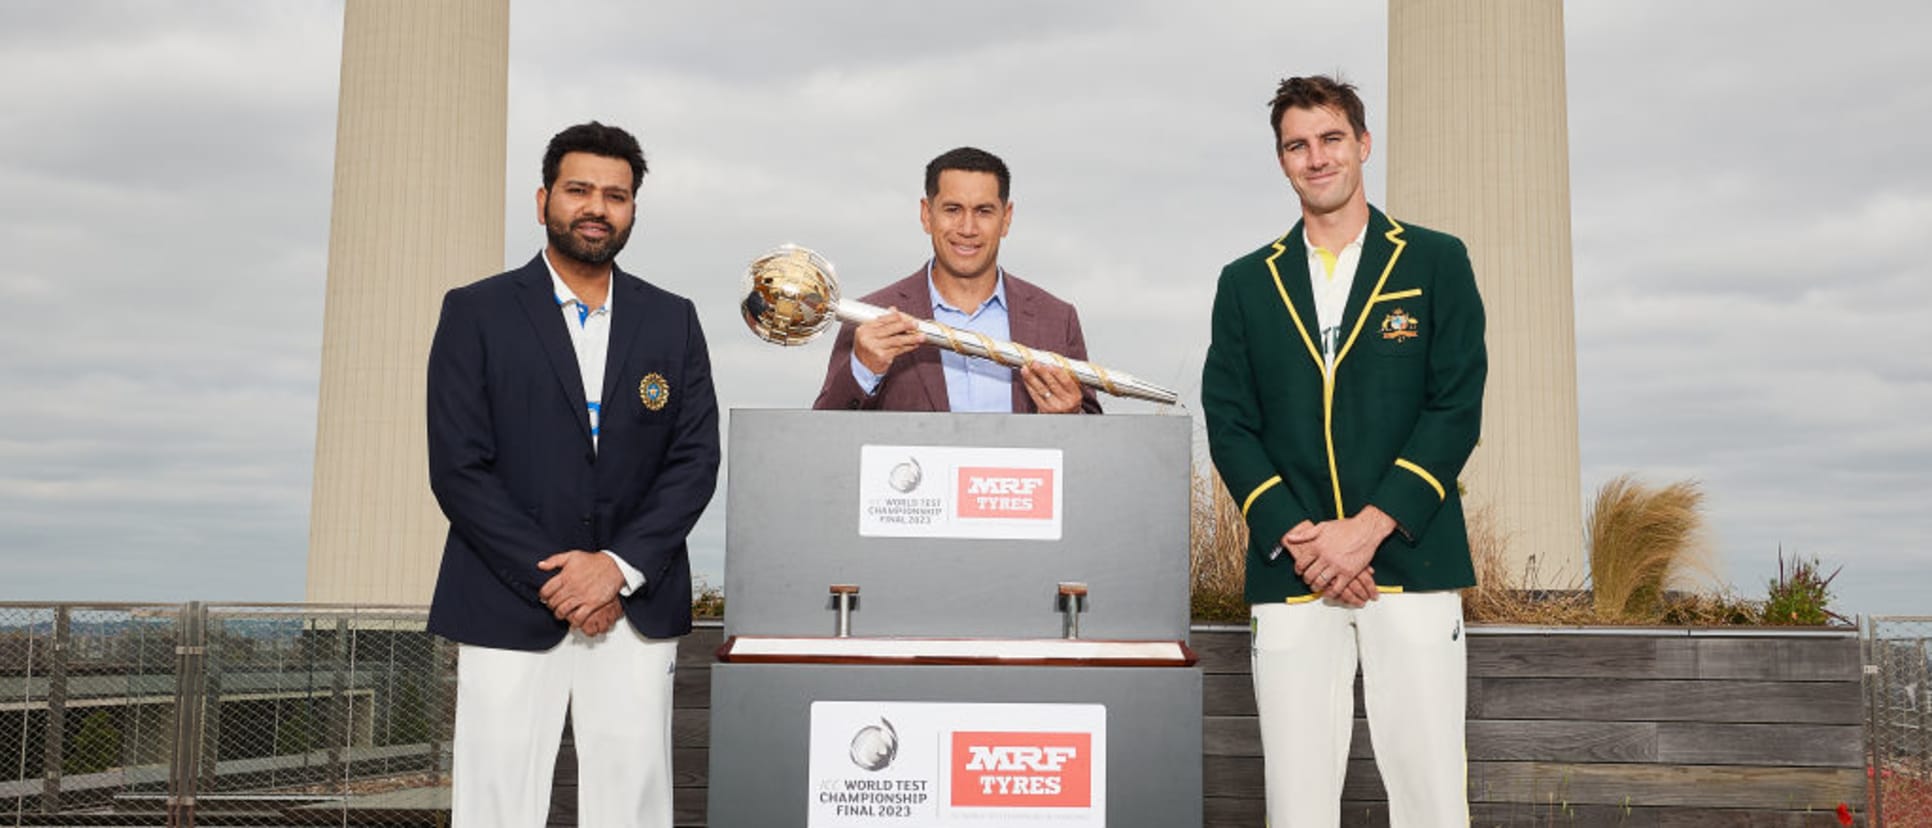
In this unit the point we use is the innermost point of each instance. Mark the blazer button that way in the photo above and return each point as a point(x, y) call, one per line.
point(590, 457)
point(852, 404)
point(585, 520)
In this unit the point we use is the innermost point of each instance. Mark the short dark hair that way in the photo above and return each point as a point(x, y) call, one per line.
point(596, 139)
point(1316, 92)
point(968, 159)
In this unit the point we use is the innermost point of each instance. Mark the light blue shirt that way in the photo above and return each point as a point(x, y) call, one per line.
point(972, 384)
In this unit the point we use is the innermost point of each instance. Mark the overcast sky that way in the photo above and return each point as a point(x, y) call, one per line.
point(1749, 187)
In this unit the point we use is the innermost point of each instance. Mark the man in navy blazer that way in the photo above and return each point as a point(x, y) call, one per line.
point(573, 443)
point(880, 364)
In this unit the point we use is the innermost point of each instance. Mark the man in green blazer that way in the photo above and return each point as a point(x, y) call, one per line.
point(1343, 392)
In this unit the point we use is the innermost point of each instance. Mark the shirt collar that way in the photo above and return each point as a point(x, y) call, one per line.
point(998, 297)
point(1353, 245)
point(563, 292)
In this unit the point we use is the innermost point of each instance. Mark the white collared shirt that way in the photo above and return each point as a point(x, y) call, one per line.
point(974, 384)
point(590, 338)
point(1332, 275)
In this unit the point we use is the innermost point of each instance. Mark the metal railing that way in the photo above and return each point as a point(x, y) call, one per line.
point(304, 714)
point(1898, 719)
point(223, 714)
point(1898, 726)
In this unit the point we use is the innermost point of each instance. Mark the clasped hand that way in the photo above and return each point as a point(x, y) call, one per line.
point(584, 590)
point(1333, 556)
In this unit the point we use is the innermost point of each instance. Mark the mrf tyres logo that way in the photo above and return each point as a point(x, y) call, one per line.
point(990, 492)
point(1022, 770)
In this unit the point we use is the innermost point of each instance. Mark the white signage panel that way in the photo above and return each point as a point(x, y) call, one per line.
point(960, 492)
point(946, 764)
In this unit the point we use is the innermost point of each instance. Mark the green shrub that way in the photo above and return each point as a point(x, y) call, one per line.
point(707, 601)
point(1799, 596)
point(96, 747)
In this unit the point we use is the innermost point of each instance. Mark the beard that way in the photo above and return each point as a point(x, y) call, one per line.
point(564, 237)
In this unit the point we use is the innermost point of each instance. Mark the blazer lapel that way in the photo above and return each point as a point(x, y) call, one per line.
point(626, 319)
point(1379, 255)
point(1023, 325)
point(925, 361)
point(539, 303)
point(1289, 267)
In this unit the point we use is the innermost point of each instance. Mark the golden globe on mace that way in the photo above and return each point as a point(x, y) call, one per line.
point(792, 295)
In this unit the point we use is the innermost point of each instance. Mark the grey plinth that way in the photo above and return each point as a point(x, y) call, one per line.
point(793, 531)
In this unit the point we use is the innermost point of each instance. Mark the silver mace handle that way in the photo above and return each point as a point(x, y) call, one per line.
point(1013, 354)
point(792, 294)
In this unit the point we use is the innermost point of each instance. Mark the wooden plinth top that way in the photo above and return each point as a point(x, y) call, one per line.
point(1059, 652)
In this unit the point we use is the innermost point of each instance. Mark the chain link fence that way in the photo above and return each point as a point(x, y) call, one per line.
point(216, 714)
point(1898, 719)
point(286, 715)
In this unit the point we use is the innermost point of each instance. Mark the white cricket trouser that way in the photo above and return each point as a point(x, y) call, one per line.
point(509, 720)
point(1413, 683)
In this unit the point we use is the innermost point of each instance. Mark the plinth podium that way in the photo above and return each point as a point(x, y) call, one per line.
point(956, 620)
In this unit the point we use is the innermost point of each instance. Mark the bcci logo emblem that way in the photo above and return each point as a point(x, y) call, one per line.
point(654, 392)
point(875, 746)
point(905, 477)
point(1399, 325)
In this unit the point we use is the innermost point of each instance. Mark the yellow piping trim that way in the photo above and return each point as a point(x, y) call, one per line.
point(1328, 434)
point(1313, 352)
point(1328, 376)
point(1394, 231)
point(1400, 294)
point(1265, 484)
point(1426, 477)
point(1328, 371)
point(1303, 599)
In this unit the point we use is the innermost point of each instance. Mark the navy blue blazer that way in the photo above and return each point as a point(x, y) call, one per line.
point(512, 464)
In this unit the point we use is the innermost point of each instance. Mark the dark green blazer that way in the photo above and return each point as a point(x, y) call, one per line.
point(1391, 427)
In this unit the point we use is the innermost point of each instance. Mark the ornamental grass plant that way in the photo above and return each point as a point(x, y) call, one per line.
point(1499, 596)
point(1217, 552)
point(1640, 540)
point(1647, 561)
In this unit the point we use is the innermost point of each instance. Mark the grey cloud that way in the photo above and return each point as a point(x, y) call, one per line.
point(168, 206)
point(1746, 201)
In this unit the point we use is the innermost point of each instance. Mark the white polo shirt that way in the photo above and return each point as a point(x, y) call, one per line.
point(1332, 275)
point(590, 338)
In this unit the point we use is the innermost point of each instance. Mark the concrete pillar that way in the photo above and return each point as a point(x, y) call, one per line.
point(418, 209)
point(1478, 146)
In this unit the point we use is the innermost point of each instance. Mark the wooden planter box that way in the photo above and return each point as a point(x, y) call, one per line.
point(1603, 726)
point(1591, 726)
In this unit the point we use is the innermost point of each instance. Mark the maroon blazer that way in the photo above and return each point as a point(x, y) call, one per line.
point(917, 382)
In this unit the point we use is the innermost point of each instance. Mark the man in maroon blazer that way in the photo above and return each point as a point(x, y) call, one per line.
point(881, 364)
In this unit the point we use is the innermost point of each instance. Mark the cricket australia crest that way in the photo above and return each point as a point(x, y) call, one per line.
point(1399, 325)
